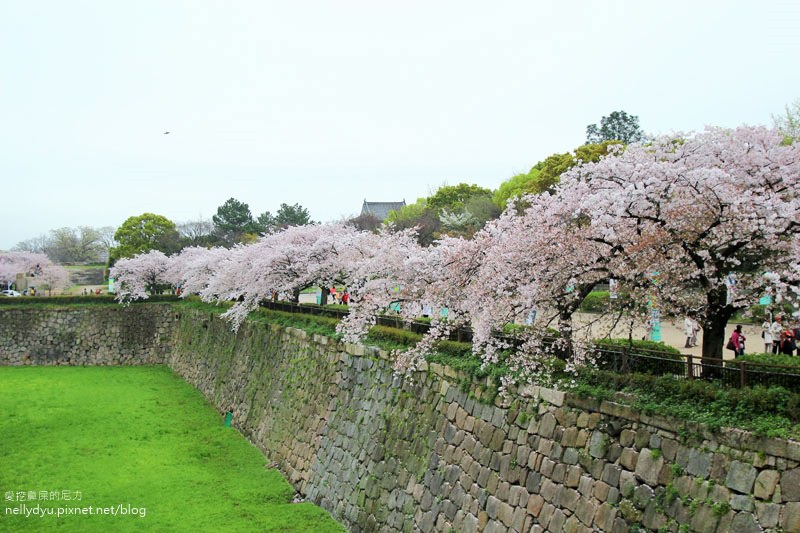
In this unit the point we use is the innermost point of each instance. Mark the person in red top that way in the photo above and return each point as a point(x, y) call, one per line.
point(737, 338)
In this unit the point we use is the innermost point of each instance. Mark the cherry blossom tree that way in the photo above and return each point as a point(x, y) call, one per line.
point(703, 208)
point(193, 268)
point(31, 264)
point(139, 276)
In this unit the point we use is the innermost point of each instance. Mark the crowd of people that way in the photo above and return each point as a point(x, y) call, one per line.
point(780, 337)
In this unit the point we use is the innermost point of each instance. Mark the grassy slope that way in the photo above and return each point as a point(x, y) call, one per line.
point(139, 436)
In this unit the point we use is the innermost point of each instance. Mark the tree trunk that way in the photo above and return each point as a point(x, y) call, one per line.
point(717, 315)
point(564, 344)
point(324, 298)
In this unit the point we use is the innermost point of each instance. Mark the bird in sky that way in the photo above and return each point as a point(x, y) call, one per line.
point(166, 133)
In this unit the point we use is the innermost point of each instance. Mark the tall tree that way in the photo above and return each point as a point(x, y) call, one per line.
point(140, 234)
point(233, 220)
point(76, 245)
point(198, 232)
point(696, 211)
point(545, 175)
point(618, 126)
point(453, 197)
point(83, 244)
point(287, 215)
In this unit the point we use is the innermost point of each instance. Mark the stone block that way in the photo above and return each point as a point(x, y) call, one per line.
point(569, 499)
point(643, 495)
point(492, 505)
point(626, 437)
point(648, 466)
point(505, 513)
point(765, 485)
point(629, 458)
point(627, 484)
point(535, 503)
point(741, 502)
point(604, 517)
point(768, 514)
point(598, 445)
point(741, 477)
point(745, 522)
point(569, 437)
point(573, 477)
point(585, 511)
point(570, 456)
point(705, 519)
point(601, 490)
point(586, 485)
point(699, 463)
point(557, 521)
point(790, 485)
point(790, 517)
point(546, 425)
point(552, 396)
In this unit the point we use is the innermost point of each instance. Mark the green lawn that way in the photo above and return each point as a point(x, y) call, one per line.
point(139, 438)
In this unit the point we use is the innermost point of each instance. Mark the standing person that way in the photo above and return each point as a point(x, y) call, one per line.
point(766, 334)
point(737, 339)
point(695, 329)
point(688, 330)
point(775, 329)
point(796, 332)
point(787, 342)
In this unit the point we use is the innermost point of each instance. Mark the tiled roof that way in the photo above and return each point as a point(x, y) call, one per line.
point(380, 209)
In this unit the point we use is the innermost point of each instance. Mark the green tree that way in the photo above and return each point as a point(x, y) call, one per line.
point(618, 126)
point(76, 245)
point(233, 219)
point(143, 233)
point(287, 215)
point(417, 215)
point(453, 197)
point(515, 186)
point(545, 175)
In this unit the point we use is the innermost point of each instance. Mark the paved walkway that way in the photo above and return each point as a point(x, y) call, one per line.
point(672, 335)
point(671, 332)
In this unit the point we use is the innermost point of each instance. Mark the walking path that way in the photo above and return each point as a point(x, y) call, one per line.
point(671, 332)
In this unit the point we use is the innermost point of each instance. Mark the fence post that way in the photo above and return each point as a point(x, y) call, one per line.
point(690, 366)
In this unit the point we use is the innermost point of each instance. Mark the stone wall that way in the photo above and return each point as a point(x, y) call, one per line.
point(90, 335)
point(388, 454)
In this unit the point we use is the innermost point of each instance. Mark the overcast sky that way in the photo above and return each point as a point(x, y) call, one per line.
point(328, 103)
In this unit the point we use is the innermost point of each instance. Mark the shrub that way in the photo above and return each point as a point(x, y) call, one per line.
point(643, 356)
point(762, 368)
point(595, 302)
point(81, 299)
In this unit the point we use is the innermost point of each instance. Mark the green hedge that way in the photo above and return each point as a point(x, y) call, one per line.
point(595, 302)
point(773, 359)
point(770, 411)
point(648, 357)
point(81, 299)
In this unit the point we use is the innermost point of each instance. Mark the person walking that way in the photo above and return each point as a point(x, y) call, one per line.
point(737, 340)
